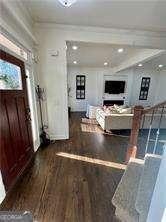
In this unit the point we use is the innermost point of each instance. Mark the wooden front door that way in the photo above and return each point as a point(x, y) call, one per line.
point(16, 147)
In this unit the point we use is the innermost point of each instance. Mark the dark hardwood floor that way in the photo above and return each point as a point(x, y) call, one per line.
point(72, 180)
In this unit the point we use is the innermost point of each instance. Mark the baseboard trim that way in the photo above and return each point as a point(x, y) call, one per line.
point(59, 137)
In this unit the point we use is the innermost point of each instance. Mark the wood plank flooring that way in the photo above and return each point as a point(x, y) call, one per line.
point(72, 180)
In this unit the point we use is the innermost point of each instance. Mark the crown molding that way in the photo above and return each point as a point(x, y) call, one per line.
point(100, 29)
point(25, 11)
point(7, 5)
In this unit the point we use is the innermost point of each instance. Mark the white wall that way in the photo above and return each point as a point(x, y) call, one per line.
point(160, 94)
point(137, 78)
point(93, 87)
point(158, 203)
point(53, 77)
point(95, 78)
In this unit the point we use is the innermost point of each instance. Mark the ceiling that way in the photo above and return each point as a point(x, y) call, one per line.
point(95, 55)
point(153, 63)
point(147, 15)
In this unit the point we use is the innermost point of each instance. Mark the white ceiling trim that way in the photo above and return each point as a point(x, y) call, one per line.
point(25, 10)
point(138, 58)
point(106, 35)
point(11, 11)
point(99, 29)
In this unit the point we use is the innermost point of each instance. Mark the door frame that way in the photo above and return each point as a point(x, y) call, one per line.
point(30, 65)
point(24, 91)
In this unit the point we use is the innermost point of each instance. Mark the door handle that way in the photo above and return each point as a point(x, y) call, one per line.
point(28, 114)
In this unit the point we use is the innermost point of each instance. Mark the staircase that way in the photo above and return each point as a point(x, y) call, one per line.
point(133, 195)
point(154, 123)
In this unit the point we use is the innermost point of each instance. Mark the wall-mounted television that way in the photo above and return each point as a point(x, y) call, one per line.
point(114, 87)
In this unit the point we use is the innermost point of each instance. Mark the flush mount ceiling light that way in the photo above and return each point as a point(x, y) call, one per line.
point(74, 47)
point(75, 62)
point(106, 64)
point(120, 50)
point(140, 65)
point(160, 66)
point(67, 3)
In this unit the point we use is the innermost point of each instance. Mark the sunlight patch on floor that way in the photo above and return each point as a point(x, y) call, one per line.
point(89, 121)
point(92, 160)
point(91, 128)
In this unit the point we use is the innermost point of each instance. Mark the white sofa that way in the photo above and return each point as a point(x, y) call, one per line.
point(124, 121)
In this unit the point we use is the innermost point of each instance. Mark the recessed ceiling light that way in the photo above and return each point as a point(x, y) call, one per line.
point(74, 47)
point(120, 50)
point(140, 65)
point(75, 62)
point(160, 66)
point(106, 64)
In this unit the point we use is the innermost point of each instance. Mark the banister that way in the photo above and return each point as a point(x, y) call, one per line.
point(160, 105)
point(139, 111)
point(136, 122)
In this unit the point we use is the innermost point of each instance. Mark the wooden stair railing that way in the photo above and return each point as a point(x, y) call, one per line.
point(139, 112)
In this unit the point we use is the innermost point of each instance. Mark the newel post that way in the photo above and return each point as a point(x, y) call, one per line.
point(132, 147)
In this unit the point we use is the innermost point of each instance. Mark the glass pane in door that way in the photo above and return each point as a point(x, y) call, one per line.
point(10, 76)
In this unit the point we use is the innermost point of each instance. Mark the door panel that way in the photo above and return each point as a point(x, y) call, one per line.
point(16, 138)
